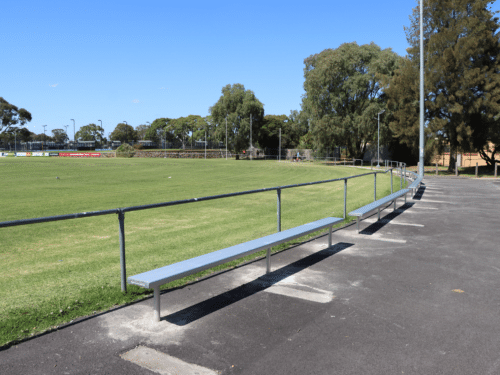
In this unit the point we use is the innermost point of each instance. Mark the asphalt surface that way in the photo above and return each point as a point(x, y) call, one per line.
point(416, 293)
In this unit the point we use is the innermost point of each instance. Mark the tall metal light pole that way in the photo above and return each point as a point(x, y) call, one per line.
point(101, 128)
point(226, 136)
point(15, 143)
point(251, 131)
point(44, 126)
point(280, 147)
point(422, 112)
point(74, 133)
point(66, 126)
point(126, 129)
point(378, 147)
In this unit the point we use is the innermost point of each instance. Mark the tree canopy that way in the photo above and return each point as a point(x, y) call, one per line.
point(344, 93)
point(12, 116)
point(124, 133)
point(237, 104)
point(462, 82)
point(90, 132)
point(59, 135)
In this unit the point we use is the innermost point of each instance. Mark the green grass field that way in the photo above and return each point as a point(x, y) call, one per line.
point(54, 272)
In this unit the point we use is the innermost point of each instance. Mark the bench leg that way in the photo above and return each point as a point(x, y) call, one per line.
point(357, 223)
point(156, 302)
point(330, 237)
point(268, 261)
point(405, 198)
point(378, 214)
point(395, 200)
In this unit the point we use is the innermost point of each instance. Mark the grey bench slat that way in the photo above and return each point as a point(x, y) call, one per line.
point(360, 212)
point(380, 202)
point(163, 275)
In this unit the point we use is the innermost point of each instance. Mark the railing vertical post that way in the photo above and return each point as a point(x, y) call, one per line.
point(476, 170)
point(496, 166)
point(456, 168)
point(437, 169)
point(279, 209)
point(392, 191)
point(345, 198)
point(404, 175)
point(375, 187)
point(121, 221)
point(401, 177)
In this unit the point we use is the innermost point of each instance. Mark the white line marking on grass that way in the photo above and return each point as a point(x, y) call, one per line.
point(386, 221)
point(162, 363)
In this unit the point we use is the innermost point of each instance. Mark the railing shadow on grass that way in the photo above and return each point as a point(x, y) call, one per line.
point(376, 226)
point(213, 304)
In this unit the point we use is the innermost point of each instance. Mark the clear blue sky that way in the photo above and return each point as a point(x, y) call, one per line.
point(136, 61)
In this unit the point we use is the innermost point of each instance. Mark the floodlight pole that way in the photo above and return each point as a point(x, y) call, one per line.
point(422, 112)
point(378, 147)
point(66, 126)
point(250, 131)
point(205, 144)
point(15, 142)
point(44, 128)
point(226, 136)
point(74, 133)
point(279, 157)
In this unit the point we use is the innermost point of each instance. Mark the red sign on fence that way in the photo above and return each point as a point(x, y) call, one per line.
point(81, 154)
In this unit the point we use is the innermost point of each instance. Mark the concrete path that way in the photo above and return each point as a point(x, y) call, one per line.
point(416, 293)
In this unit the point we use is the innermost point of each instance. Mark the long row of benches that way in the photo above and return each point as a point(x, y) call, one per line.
point(160, 276)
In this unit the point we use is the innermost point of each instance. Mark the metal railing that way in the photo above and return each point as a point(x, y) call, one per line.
point(121, 211)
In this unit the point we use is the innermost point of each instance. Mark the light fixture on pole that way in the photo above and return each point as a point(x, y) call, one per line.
point(378, 147)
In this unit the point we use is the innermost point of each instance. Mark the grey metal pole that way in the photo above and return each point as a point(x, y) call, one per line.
point(375, 187)
point(280, 147)
point(250, 131)
point(392, 191)
point(121, 221)
point(496, 166)
point(421, 145)
point(279, 209)
point(205, 144)
point(74, 134)
point(345, 198)
point(476, 170)
point(226, 136)
point(401, 177)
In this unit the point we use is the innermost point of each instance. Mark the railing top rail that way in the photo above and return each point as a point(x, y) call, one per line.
point(172, 203)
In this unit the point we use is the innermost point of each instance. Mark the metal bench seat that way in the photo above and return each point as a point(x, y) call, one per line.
point(415, 184)
point(362, 211)
point(160, 276)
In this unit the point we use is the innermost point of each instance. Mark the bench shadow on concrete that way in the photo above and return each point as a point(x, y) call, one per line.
point(419, 193)
point(213, 304)
point(376, 226)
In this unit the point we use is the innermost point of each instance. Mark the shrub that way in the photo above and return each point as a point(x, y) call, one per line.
point(138, 146)
point(125, 151)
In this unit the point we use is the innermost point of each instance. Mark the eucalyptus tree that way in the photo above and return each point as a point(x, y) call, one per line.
point(462, 81)
point(236, 104)
point(343, 94)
